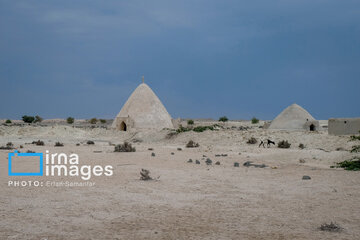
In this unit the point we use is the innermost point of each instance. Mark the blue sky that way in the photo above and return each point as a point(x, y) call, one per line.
point(203, 58)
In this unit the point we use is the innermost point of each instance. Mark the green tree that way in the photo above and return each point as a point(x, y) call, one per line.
point(223, 119)
point(70, 120)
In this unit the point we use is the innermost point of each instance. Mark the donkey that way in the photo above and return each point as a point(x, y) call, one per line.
point(268, 143)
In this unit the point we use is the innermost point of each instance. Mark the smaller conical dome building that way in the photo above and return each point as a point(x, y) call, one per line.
point(143, 110)
point(295, 117)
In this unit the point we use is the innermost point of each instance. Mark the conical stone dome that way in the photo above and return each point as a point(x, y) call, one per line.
point(143, 110)
point(294, 117)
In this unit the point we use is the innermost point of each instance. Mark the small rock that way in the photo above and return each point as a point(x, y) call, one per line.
point(306, 177)
point(247, 164)
point(172, 153)
point(301, 160)
point(204, 156)
point(150, 149)
point(190, 160)
point(217, 163)
point(197, 162)
point(340, 149)
point(179, 149)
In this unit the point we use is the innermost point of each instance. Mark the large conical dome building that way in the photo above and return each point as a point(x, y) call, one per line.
point(295, 117)
point(143, 110)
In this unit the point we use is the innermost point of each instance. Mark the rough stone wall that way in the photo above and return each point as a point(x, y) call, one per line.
point(344, 126)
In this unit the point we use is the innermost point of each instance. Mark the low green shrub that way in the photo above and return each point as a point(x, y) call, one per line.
point(183, 129)
point(93, 121)
point(351, 165)
point(103, 121)
point(126, 147)
point(223, 119)
point(38, 119)
point(254, 120)
point(284, 144)
point(59, 144)
point(28, 119)
point(38, 143)
point(203, 128)
point(70, 120)
point(355, 149)
point(195, 129)
point(190, 122)
point(354, 138)
point(8, 121)
point(252, 141)
point(192, 144)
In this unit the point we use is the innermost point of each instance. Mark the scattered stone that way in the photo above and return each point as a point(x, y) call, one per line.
point(301, 160)
point(217, 163)
point(236, 164)
point(145, 175)
point(332, 227)
point(78, 144)
point(179, 149)
point(190, 160)
point(29, 151)
point(97, 151)
point(208, 161)
point(250, 164)
point(301, 146)
point(90, 142)
point(197, 161)
point(247, 164)
point(21, 146)
point(153, 154)
point(172, 153)
point(305, 177)
point(150, 149)
point(204, 156)
point(221, 155)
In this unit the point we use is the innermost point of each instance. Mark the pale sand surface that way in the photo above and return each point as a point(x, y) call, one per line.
point(188, 201)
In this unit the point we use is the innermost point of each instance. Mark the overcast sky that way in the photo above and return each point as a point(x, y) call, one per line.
point(204, 59)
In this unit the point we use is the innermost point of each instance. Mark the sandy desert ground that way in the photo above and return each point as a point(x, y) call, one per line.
point(187, 201)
